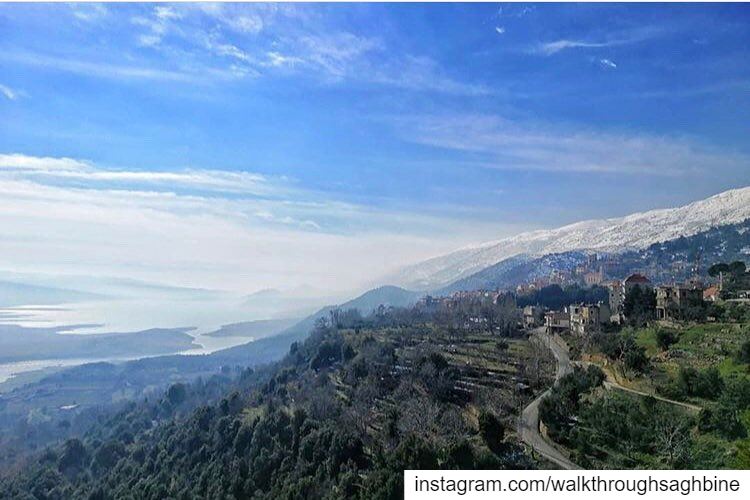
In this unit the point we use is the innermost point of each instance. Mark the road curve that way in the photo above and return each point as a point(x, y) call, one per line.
point(528, 424)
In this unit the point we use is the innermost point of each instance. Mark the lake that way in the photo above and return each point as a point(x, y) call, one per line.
point(127, 315)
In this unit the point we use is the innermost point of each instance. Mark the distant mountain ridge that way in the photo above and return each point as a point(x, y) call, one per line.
point(665, 262)
point(256, 329)
point(14, 294)
point(632, 232)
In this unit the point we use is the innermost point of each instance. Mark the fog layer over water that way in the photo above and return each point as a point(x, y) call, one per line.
point(205, 314)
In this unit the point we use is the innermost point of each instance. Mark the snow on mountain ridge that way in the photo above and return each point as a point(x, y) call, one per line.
point(635, 231)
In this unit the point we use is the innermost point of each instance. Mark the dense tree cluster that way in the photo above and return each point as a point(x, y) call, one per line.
point(640, 305)
point(622, 347)
point(728, 415)
point(558, 410)
point(690, 382)
point(636, 432)
point(556, 297)
point(341, 416)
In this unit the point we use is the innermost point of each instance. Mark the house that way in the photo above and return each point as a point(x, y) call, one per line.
point(619, 289)
point(586, 319)
point(616, 297)
point(636, 279)
point(673, 301)
point(711, 294)
point(525, 288)
point(557, 321)
point(533, 316)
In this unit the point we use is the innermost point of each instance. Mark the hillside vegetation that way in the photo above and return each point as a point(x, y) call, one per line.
point(340, 416)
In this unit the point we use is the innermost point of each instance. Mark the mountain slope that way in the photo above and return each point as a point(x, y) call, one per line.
point(514, 271)
point(633, 232)
point(367, 302)
point(256, 329)
point(663, 262)
point(14, 294)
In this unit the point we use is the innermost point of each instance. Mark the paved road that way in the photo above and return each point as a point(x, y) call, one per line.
point(528, 425)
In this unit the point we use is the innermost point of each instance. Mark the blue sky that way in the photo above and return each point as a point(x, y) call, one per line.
point(246, 146)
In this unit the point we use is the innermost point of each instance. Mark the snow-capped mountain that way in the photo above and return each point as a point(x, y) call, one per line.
point(632, 232)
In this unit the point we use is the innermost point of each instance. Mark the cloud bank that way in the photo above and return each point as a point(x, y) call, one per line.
point(238, 231)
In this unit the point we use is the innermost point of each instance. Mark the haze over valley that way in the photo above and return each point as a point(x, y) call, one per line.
point(292, 250)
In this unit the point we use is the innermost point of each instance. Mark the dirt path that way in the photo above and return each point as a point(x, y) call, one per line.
point(614, 385)
point(611, 383)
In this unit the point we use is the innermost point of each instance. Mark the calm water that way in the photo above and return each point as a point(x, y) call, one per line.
point(129, 315)
point(207, 345)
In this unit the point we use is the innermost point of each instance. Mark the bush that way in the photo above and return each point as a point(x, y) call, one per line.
point(665, 338)
point(743, 356)
point(492, 431)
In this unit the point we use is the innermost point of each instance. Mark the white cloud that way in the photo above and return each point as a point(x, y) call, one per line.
point(276, 59)
point(213, 43)
point(46, 168)
point(246, 231)
point(89, 12)
point(165, 12)
point(500, 30)
point(494, 142)
point(294, 44)
point(8, 92)
point(91, 68)
point(35, 163)
point(550, 48)
point(246, 24)
point(608, 63)
point(623, 37)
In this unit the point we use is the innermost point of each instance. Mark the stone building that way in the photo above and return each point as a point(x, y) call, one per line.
point(588, 318)
point(557, 321)
point(673, 301)
point(533, 316)
point(619, 289)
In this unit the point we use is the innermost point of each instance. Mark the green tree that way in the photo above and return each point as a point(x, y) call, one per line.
point(177, 393)
point(640, 305)
point(717, 269)
point(744, 353)
point(492, 431)
point(74, 455)
point(665, 338)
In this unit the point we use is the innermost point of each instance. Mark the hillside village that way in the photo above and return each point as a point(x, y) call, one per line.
point(695, 299)
point(445, 383)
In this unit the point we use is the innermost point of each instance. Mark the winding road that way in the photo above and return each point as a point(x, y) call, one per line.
point(528, 425)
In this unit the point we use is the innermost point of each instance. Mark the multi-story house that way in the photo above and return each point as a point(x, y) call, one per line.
point(672, 301)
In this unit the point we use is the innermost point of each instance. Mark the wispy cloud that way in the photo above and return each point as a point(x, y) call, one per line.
point(235, 230)
point(499, 30)
point(550, 48)
point(494, 142)
point(100, 69)
point(608, 63)
point(8, 92)
point(292, 43)
point(242, 182)
point(215, 43)
point(622, 37)
point(43, 163)
point(88, 12)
